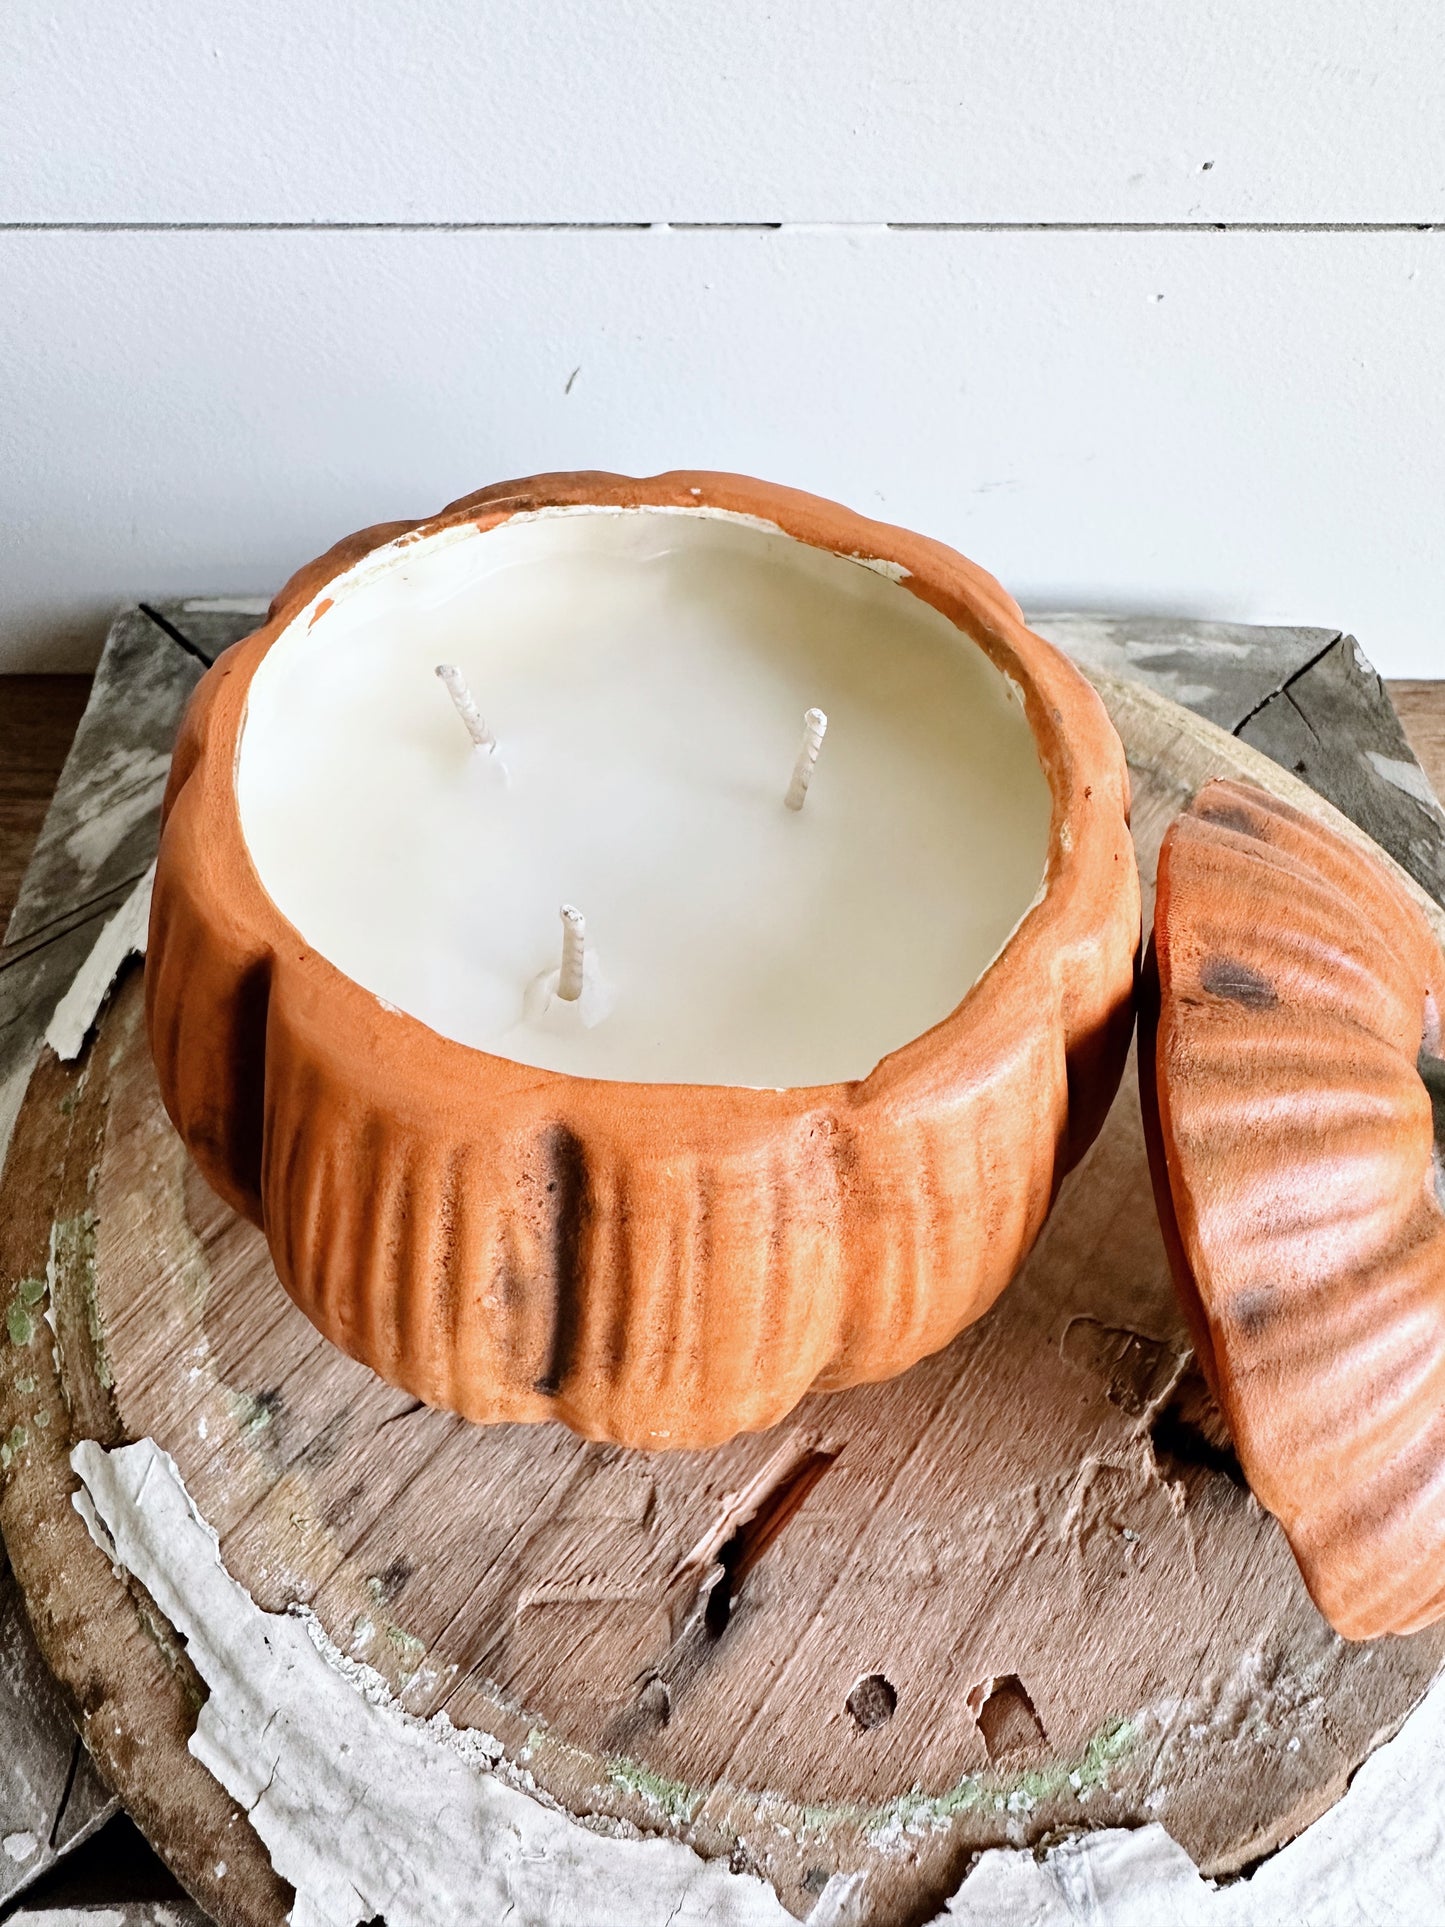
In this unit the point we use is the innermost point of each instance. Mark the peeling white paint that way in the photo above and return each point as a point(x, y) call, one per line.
point(364, 1808)
point(1405, 775)
point(367, 1809)
point(123, 936)
point(20, 1846)
point(1385, 1837)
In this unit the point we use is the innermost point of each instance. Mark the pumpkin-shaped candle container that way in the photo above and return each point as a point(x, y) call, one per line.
point(1293, 1077)
point(840, 986)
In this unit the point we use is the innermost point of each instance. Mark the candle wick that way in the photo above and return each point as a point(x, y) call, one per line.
point(456, 688)
point(815, 727)
point(574, 949)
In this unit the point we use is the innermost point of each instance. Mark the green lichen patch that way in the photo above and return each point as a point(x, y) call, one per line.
point(406, 1644)
point(1089, 1770)
point(25, 1384)
point(671, 1798)
point(12, 1447)
point(920, 1812)
point(913, 1812)
point(72, 1259)
point(73, 1247)
point(19, 1313)
point(255, 1412)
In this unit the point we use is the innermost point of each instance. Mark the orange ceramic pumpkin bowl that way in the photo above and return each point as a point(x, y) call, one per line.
point(1290, 1051)
point(654, 1264)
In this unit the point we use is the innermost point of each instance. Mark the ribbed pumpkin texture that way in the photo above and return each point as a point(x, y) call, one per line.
point(661, 1265)
point(1291, 1037)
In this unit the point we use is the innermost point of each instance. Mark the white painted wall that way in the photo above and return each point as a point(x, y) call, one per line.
point(272, 270)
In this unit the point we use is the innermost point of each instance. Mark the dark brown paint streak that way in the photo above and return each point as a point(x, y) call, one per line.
point(1227, 977)
point(570, 1207)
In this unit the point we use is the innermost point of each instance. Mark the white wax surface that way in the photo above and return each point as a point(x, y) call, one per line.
point(646, 673)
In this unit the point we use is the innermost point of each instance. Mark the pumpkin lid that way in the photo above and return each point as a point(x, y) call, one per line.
point(1294, 1100)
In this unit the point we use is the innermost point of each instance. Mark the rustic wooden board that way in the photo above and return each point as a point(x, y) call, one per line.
point(100, 831)
point(38, 718)
point(1334, 726)
point(96, 835)
point(110, 1913)
point(1019, 1589)
point(1421, 709)
point(1309, 698)
point(1224, 671)
point(51, 1797)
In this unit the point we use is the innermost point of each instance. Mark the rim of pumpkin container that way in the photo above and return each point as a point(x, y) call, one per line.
point(1068, 905)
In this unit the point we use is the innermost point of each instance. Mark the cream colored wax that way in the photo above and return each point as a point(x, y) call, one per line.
point(646, 674)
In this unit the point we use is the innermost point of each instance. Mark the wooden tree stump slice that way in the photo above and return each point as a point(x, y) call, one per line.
point(1020, 1590)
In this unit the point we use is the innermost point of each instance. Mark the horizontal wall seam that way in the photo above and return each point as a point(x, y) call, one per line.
point(723, 227)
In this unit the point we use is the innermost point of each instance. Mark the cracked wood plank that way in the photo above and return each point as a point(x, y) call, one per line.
point(208, 624)
point(1333, 725)
point(1308, 698)
point(1223, 671)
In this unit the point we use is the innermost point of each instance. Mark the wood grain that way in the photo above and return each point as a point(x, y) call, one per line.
point(38, 715)
point(50, 1797)
point(1421, 709)
point(1331, 723)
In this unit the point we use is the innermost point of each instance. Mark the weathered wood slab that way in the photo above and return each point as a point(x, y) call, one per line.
point(1225, 672)
point(1334, 726)
point(98, 836)
point(209, 624)
point(51, 1798)
point(1308, 698)
point(121, 1913)
point(1017, 1590)
point(100, 831)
